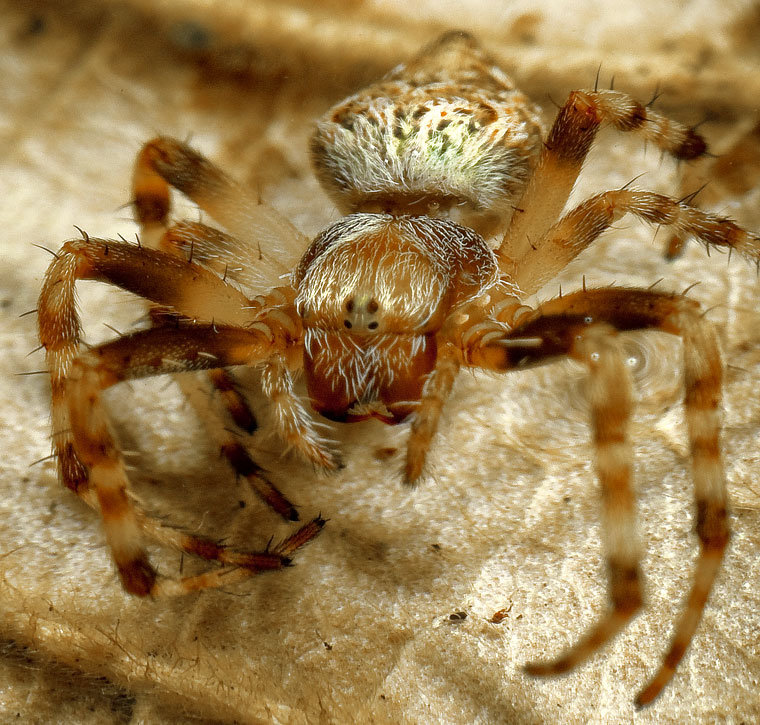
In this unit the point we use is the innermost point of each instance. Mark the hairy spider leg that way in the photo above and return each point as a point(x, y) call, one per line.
point(570, 326)
point(155, 352)
point(426, 416)
point(219, 251)
point(165, 162)
point(264, 238)
point(732, 170)
point(89, 461)
point(575, 231)
point(127, 266)
point(562, 157)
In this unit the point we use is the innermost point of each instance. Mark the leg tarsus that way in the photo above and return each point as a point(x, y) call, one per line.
point(242, 566)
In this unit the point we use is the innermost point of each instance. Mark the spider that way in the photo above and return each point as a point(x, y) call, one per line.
point(387, 304)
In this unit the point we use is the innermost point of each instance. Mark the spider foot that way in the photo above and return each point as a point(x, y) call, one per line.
point(594, 640)
point(237, 566)
point(554, 667)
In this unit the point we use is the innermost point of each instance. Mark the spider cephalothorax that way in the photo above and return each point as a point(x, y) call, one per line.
point(374, 291)
point(387, 304)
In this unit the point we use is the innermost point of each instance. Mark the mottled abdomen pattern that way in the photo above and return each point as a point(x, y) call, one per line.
point(435, 134)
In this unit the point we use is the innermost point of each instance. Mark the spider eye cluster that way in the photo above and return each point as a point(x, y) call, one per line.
point(361, 313)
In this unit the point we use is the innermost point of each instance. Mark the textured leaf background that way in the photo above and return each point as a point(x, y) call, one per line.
point(360, 629)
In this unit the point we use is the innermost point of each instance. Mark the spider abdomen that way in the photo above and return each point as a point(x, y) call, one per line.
point(431, 140)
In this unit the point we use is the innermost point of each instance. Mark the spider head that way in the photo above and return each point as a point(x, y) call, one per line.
point(373, 291)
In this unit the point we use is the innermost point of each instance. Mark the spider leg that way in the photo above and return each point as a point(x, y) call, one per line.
point(89, 463)
point(565, 150)
point(189, 290)
point(193, 292)
point(240, 564)
point(153, 352)
point(218, 251)
point(427, 414)
point(734, 170)
point(292, 420)
point(165, 162)
point(581, 226)
point(151, 274)
point(561, 327)
point(609, 392)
